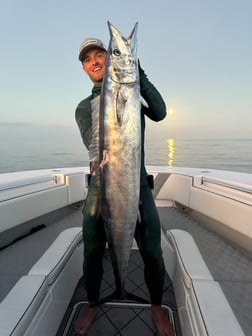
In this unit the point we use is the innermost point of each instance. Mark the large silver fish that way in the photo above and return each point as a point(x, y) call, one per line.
point(120, 150)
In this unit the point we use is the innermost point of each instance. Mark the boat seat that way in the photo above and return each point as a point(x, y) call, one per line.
point(215, 309)
point(54, 259)
point(187, 251)
point(201, 301)
point(19, 306)
point(37, 303)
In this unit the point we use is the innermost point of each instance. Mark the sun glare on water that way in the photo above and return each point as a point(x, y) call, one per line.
point(170, 144)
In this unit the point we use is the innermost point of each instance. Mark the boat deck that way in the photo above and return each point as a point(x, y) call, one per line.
point(227, 263)
point(121, 317)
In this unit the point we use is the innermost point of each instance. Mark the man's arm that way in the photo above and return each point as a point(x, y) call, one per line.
point(157, 107)
point(83, 117)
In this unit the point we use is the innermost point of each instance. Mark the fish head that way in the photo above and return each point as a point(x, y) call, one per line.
point(122, 62)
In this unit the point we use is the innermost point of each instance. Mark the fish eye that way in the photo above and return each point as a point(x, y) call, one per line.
point(116, 52)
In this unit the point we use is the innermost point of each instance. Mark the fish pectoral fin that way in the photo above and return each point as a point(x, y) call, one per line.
point(120, 107)
point(144, 102)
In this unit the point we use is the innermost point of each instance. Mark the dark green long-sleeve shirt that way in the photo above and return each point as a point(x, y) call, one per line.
point(156, 111)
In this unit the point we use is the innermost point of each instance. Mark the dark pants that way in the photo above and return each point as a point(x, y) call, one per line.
point(147, 236)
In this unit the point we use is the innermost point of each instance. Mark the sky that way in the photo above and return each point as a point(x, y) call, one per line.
point(197, 53)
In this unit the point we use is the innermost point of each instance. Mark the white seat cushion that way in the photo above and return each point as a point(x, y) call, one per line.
point(57, 255)
point(215, 309)
point(24, 299)
point(191, 263)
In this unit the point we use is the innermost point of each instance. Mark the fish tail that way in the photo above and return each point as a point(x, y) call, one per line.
point(117, 296)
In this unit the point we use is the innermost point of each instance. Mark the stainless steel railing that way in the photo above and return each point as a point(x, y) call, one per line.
point(28, 182)
point(227, 185)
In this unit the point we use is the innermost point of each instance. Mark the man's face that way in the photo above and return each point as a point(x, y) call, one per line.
point(94, 63)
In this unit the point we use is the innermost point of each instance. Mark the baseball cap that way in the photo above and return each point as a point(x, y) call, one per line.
point(88, 44)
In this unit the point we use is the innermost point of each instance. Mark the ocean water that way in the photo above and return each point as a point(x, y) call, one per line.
point(28, 147)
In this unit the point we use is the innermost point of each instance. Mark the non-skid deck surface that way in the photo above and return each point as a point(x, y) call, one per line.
point(121, 318)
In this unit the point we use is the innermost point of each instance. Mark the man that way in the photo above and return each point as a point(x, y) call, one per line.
point(92, 55)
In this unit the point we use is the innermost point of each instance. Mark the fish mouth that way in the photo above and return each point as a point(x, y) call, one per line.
point(123, 73)
point(124, 80)
point(127, 71)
